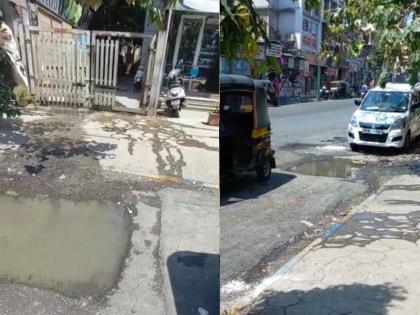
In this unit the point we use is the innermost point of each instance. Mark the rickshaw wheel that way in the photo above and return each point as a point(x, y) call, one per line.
point(264, 170)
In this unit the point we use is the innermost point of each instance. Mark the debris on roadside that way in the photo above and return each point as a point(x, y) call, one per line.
point(12, 193)
point(307, 223)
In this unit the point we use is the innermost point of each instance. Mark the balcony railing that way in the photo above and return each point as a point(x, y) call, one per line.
point(52, 5)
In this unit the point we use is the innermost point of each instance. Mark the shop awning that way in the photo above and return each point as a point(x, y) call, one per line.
point(199, 6)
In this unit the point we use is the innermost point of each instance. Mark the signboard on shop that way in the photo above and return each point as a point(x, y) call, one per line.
point(309, 34)
point(275, 50)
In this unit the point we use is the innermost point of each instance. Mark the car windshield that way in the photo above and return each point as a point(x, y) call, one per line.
point(384, 101)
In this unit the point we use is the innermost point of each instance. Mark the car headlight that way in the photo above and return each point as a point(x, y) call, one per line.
point(354, 122)
point(398, 124)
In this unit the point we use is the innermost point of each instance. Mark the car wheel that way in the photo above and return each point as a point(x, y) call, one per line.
point(264, 170)
point(407, 142)
point(354, 147)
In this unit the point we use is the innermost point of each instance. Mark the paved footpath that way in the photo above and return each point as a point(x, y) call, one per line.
point(370, 264)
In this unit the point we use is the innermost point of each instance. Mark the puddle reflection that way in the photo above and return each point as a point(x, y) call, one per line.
point(331, 168)
point(74, 248)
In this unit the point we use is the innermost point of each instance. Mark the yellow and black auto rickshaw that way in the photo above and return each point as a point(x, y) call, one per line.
point(245, 143)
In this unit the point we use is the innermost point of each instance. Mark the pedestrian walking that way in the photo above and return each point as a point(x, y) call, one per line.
point(277, 84)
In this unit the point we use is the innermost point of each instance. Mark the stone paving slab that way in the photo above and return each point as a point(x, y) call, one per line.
point(368, 266)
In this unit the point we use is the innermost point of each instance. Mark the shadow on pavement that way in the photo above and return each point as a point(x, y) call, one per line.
point(248, 187)
point(195, 282)
point(11, 132)
point(355, 298)
point(414, 149)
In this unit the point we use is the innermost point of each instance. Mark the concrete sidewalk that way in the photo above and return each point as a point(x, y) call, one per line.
point(367, 265)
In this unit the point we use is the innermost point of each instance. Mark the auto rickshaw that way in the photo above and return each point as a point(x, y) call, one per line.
point(245, 143)
point(339, 89)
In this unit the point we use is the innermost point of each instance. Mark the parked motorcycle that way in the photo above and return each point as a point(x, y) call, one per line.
point(138, 78)
point(363, 91)
point(324, 93)
point(175, 99)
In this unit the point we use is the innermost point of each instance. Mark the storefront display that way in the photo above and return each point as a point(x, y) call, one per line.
point(209, 46)
point(196, 48)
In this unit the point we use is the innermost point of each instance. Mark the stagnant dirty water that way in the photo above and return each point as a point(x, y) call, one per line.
point(341, 168)
point(76, 248)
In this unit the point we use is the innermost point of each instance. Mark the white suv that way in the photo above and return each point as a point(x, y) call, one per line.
point(386, 117)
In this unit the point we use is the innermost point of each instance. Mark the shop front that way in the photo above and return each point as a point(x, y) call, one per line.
point(292, 77)
point(310, 73)
point(354, 77)
point(195, 46)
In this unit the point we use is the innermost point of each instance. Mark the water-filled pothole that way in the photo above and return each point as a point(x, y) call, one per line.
point(76, 248)
point(341, 168)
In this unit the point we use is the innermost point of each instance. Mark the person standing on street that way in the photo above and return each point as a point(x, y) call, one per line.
point(277, 87)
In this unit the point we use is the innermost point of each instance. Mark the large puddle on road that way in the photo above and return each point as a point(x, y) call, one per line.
point(331, 168)
point(74, 248)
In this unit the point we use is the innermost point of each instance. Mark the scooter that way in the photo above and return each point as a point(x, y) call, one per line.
point(138, 78)
point(175, 99)
point(363, 91)
point(324, 93)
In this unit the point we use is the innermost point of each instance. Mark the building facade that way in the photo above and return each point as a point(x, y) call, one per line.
point(298, 30)
point(301, 32)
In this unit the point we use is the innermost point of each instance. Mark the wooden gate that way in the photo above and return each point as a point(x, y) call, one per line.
point(60, 66)
point(106, 53)
point(75, 67)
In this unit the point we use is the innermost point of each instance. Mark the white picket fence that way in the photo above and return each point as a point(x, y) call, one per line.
point(73, 67)
point(61, 68)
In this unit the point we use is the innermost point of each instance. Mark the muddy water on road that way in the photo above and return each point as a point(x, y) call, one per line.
point(341, 168)
point(74, 248)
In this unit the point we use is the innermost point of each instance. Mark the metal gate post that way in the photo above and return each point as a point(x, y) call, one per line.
point(160, 59)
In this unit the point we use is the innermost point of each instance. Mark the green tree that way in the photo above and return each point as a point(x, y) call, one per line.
point(240, 30)
point(389, 28)
point(154, 11)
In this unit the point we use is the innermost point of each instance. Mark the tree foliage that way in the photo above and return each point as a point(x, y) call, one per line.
point(6, 94)
point(240, 30)
point(388, 28)
point(154, 10)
